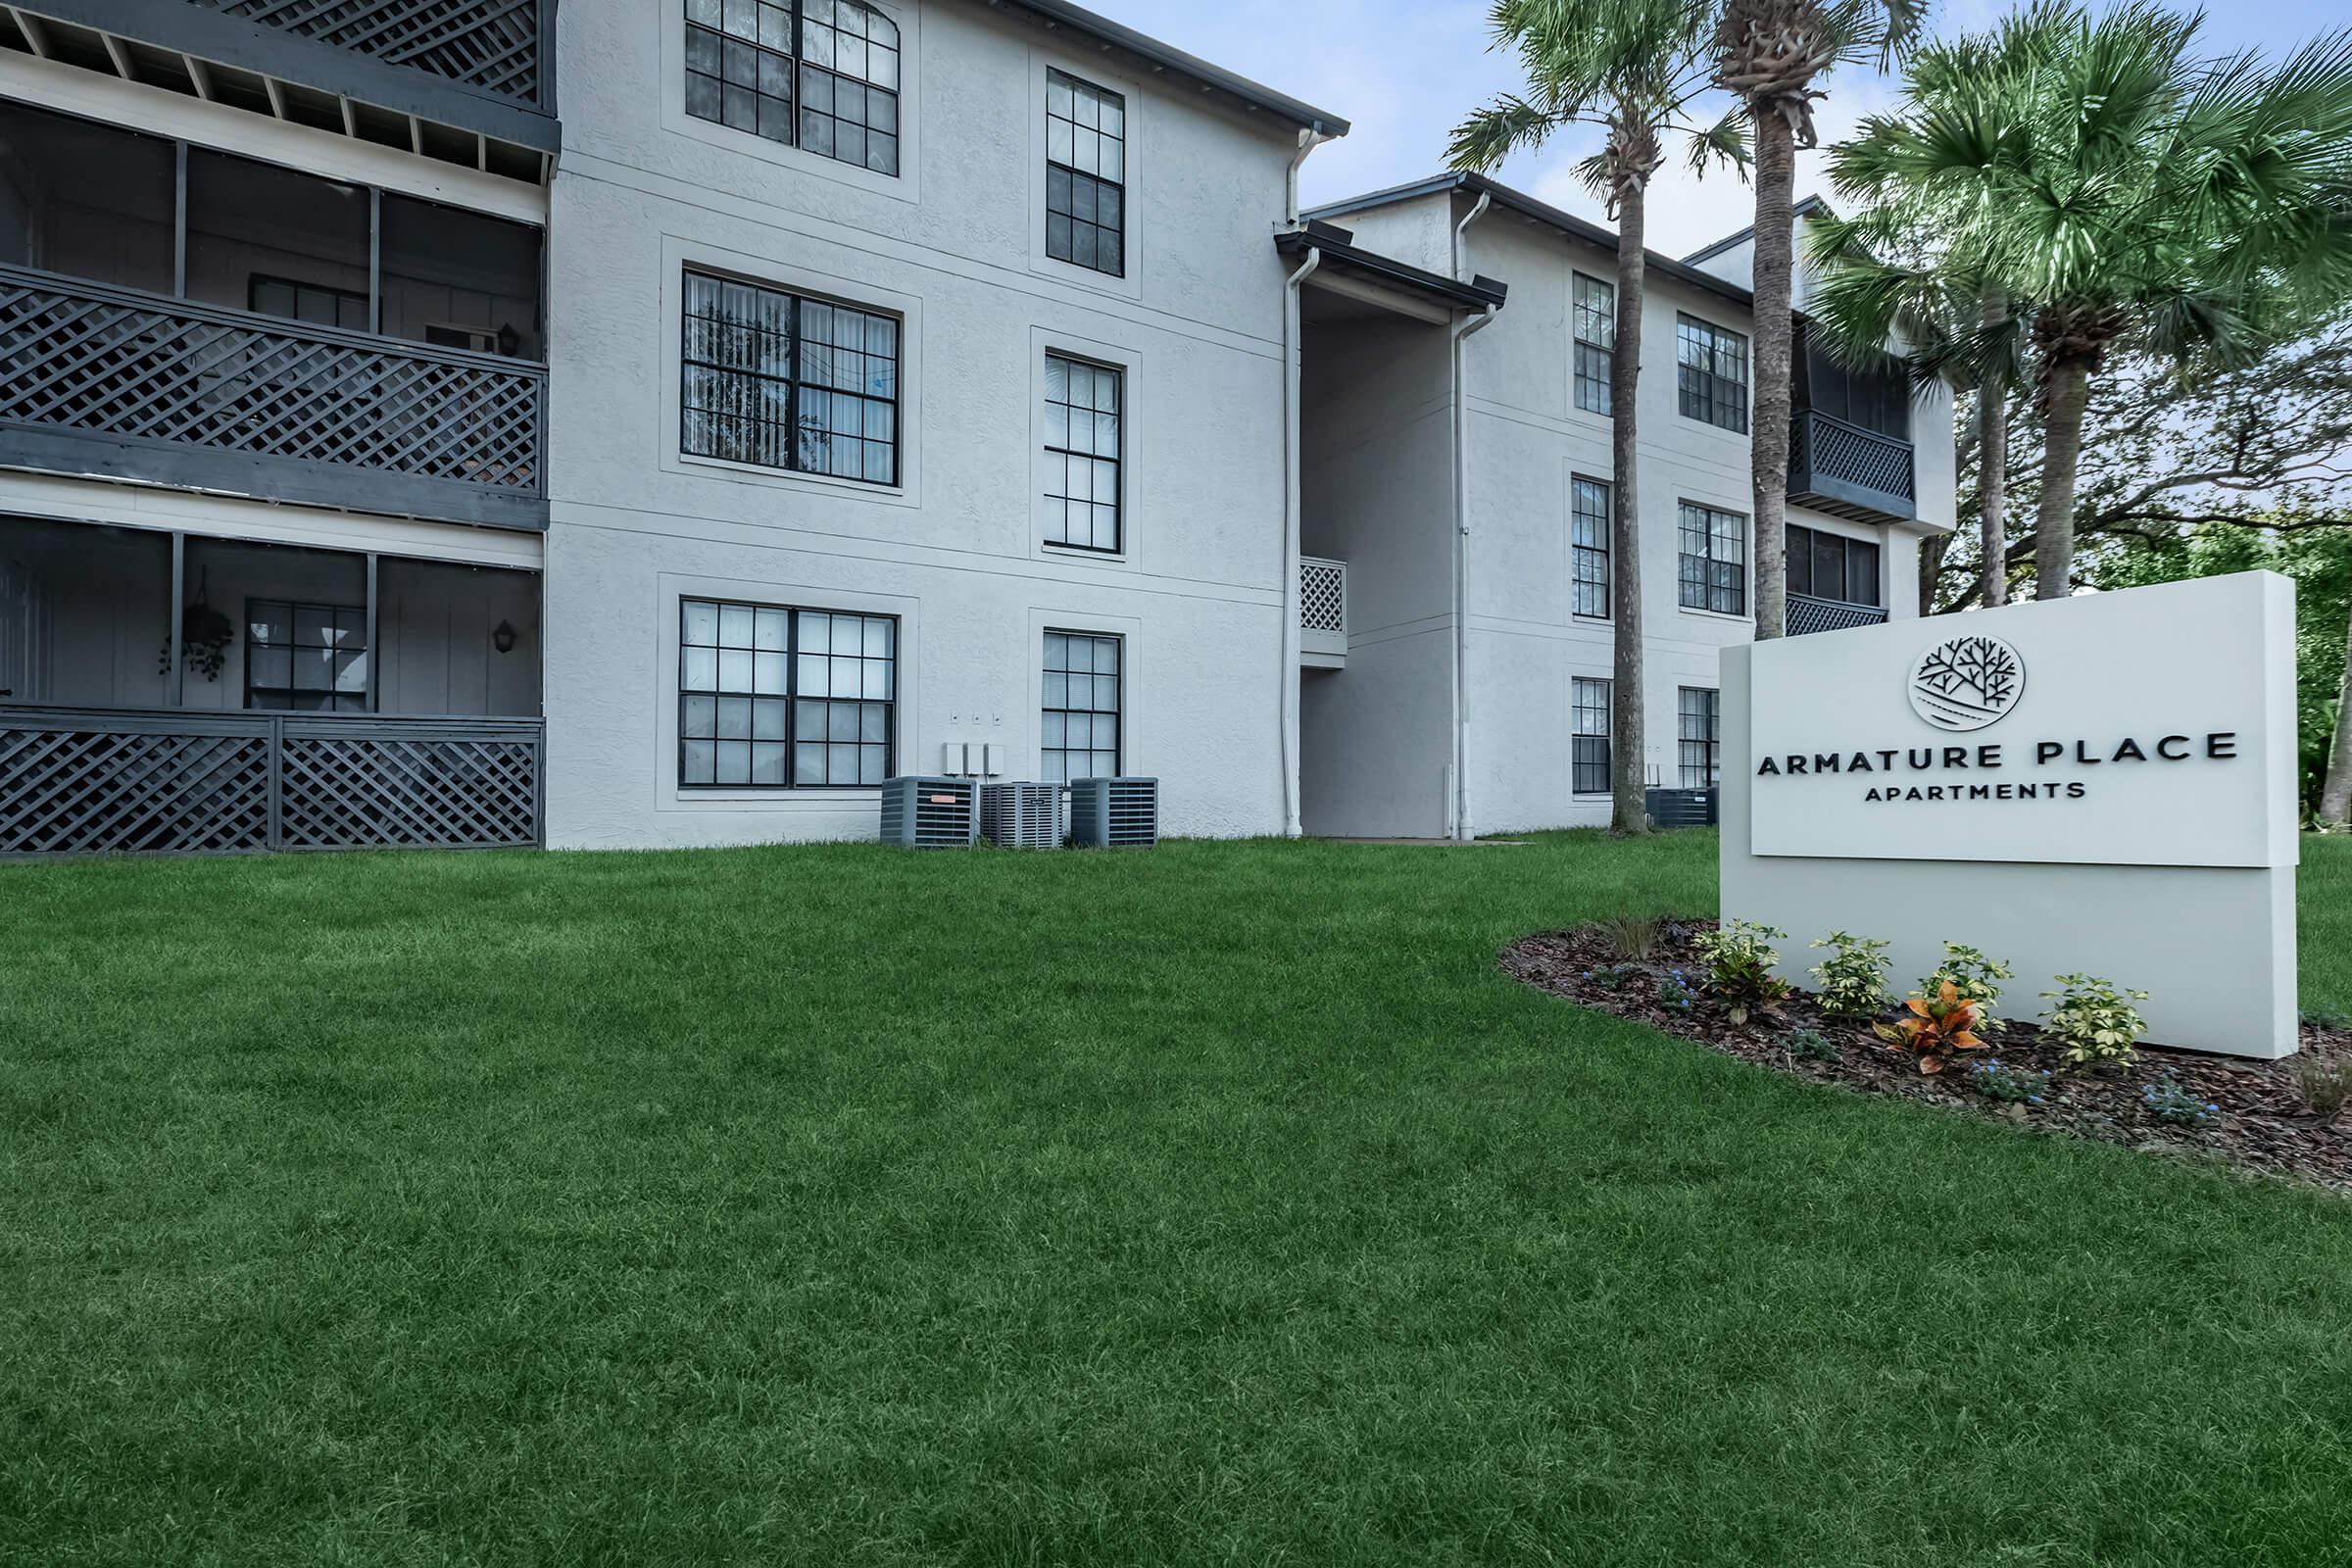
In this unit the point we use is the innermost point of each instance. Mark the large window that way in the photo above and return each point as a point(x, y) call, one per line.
point(1713, 560)
point(1082, 454)
point(1589, 744)
point(772, 697)
point(1595, 330)
point(785, 381)
point(1711, 372)
point(1588, 546)
point(1080, 717)
point(305, 657)
point(1086, 174)
point(1828, 566)
point(1698, 735)
point(743, 58)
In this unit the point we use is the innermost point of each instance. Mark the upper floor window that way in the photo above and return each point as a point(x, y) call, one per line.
point(772, 697)
point(1589, 547)
point(1588, 745)
point(1711, 372)
point(829, 86)
point(1086, 173)
point(1713, 560)
point(1082, 454)
point(785, 381)
point(1828, 566)
point(1596, 332)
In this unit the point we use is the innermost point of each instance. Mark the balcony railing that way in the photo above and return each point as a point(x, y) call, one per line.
point(494, 46)
point(1322, 612)
point(80, 781)
point(1808, 614)
point(127, 385)
point(1848, 471)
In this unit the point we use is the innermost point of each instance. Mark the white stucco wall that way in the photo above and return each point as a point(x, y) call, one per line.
point(955, 248)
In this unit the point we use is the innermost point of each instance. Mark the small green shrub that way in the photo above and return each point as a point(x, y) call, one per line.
point(1811, 1044)
point(2325, 1083)
point(1675, 992)
point(1739, 955)
point(1633, 937)
point(1853, 977)
point(2095, 1022)
point(1611, 976)
point(2335, 1020)
point(2168, 1102)
point(2013, 1086)
point(1977, 977)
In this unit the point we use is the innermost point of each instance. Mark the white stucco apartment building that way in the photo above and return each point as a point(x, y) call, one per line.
point(395, 454)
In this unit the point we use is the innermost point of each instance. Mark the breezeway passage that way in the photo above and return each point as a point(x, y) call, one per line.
point(1221, 1204)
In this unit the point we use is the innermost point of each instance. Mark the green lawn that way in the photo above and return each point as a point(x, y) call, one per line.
point(1220, 1205)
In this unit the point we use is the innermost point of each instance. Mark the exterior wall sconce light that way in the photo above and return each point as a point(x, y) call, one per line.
point(502, 637)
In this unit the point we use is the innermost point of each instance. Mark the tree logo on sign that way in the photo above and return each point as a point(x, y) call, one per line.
point(1965, 683)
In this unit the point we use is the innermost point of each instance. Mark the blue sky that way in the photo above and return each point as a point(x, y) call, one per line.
point(1405, 72)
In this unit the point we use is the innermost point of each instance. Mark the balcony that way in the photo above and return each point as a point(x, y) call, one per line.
point(116, 384)
point(1848, 471)
point(469, 82)
point(1322, 613)
point(1808, 613)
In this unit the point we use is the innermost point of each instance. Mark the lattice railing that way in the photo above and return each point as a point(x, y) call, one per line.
point(87, 781)
point(494, 45)
point(1808, 614)
point(1825, 447)
point(1322, 595)
point(86, 356)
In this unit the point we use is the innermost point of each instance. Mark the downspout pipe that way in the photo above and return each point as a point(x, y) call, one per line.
point(1286, 688)
point(1460, 803)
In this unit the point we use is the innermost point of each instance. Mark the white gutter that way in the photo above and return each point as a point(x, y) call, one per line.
point(1291, 464)
point(1461, 829)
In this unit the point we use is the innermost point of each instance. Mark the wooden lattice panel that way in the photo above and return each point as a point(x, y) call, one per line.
point(1322, 596)
point(490, 44)
point(1810, 614)
point(86, 791)
point(90, 359)
point(1833, 449)
point(392, 791)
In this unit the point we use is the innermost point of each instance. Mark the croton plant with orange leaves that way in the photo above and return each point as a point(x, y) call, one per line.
point(1938, 1026)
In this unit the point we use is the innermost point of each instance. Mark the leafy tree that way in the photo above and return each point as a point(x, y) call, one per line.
point(1771, 55)
point(1636, 70)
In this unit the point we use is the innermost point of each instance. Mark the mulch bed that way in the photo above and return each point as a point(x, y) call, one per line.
point(2261, 1122)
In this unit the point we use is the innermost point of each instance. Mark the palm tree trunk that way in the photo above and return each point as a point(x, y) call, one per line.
point(1768, 443)
point(1993, 471)
point(2066, 394)
point(1628, 810)
point(2335, 788)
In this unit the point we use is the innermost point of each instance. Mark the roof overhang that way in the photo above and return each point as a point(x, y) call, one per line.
point(1153, 57)
point(1348, 269)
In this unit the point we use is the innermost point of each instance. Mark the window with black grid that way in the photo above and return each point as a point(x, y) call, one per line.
point(1699, 734)
point(1588, 546)
point(305, 657)
point(1596, 332)
point(1828, 566)
point(1713, 560)
point(1082, 454)
point(744, 57)
point(1080, 717)
point(1086, 173)
point(1588, 742)
point(785, 381)
point(1711, 372)
point(775, 697)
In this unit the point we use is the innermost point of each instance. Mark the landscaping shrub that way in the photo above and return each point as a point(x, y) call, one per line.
point(1853, 977)
point(1739, 955)
point(2325, 1083)
point(1635, 937)
point(1938, 1026)
point(2015, 1086)
point(2095, 1022)
point(2168, 1102)
point(1977, 977)
point(1811, 1044)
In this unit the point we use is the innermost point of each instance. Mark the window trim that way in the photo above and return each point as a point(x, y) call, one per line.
point(1047, 451)
point(1091, 70)
point(1747, 558)
point(798, 63)
point(1711, 744)
point(1118, 763)
point(1075, 82)
point(1578, 735)
point(791, 698)
point(1683, 320)
point(1577, 379)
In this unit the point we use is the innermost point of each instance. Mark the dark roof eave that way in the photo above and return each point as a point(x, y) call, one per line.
point(1167, 58)
point(1340, 251)
point(1526, 206)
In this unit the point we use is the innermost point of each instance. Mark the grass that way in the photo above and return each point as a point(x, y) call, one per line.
point(1222, 1205)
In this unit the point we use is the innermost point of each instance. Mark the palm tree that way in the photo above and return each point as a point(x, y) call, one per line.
point(1770, 54)
point(1636, 70)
